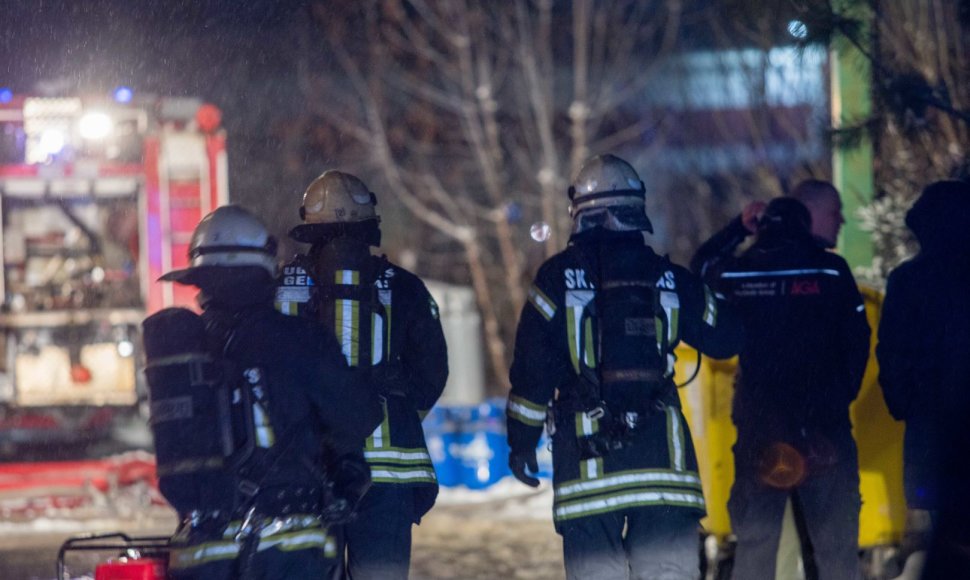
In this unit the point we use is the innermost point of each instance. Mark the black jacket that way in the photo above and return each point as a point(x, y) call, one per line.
point(306, 384)
point(555, 343)
point(924, 343)
point(806, 335)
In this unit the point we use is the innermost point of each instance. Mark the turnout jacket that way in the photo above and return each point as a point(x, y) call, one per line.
point(557, 341)
point(806, 335)
point(388, 328)
point(302, 420)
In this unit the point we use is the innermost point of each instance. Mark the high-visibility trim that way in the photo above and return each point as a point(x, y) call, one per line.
point(399, 456)
point(675, 439)
point(273, 526)
point(574, 314)
point(382, 434)
point(402, 475)
point(265, 436)
point(589, 357)
point(384, 297)
point(346, 325)
point(777, 273)
point(576, 301)
point(377, 338)
point(346, 277)
point(525, 411)
point(710, 308)
point(309, 535)
point(293, 541)
point(589, 468)
point(621, 480)
point(288, 308)
point(542, 303)
point(670, 303)
point(624, 500)
point(200, 554)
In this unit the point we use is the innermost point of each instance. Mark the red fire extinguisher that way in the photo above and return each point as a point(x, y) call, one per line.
point(132, 569)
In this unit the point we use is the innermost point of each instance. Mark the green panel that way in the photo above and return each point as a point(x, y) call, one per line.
point(852, 166)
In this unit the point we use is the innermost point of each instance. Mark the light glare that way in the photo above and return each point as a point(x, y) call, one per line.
point(126, 348)
point(540, 231)
point(95, 125)
point(797, 29)
point(51, 142)
point(123, 94)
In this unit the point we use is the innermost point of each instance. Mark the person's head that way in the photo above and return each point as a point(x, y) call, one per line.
point(825, 206)
point(785, 216)
point(940, 218)
point(232, 257)
point(608, 193)
point(338, 205)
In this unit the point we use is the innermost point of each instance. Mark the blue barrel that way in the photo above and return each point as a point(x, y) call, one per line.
point(439, 433)
point(469, 445)
point(482, 452)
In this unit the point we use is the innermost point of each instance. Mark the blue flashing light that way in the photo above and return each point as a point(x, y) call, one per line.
point(6, 95)
point(123, 94)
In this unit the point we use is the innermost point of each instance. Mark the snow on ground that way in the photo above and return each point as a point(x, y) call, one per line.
point(504, 531)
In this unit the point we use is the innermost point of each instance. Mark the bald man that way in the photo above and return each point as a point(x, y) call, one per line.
point(806, 347)
point(825, 206)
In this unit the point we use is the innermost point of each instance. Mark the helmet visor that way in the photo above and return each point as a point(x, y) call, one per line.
point(617, 218)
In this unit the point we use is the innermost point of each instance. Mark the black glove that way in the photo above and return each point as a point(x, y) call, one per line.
point(519, 461)
point(391, 378)
point(350, 481)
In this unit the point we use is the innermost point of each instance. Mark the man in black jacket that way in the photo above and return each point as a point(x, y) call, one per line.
point(596, 342)
point(251, 414)
point(388, 328)
point(924, 366)
point(805, 351)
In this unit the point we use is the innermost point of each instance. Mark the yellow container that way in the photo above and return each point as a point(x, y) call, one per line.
point(707, 406)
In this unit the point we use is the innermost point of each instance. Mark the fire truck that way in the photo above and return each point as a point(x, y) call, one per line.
point(98, 198)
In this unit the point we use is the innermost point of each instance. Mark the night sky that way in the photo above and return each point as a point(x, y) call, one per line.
point(241, 56)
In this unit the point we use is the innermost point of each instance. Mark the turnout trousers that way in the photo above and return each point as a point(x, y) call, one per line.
point(639, 544)
point(829, 503)
point(378, 542)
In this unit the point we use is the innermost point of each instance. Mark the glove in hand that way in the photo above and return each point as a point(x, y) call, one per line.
point(519, 461)
point(350, 481)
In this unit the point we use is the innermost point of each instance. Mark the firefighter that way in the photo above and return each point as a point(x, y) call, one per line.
point(806, 347)
point(595, 347)
point(388, 327)
point(252, 422)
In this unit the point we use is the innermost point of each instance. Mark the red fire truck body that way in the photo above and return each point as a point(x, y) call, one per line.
point(98, 198)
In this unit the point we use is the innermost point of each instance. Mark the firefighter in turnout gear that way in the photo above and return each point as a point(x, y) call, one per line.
point(250, 416)
point(387, 325)
point(594, 362)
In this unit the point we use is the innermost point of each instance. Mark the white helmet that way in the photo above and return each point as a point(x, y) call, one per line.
point(334, 198)
point(229, 237)
point(608, 192)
